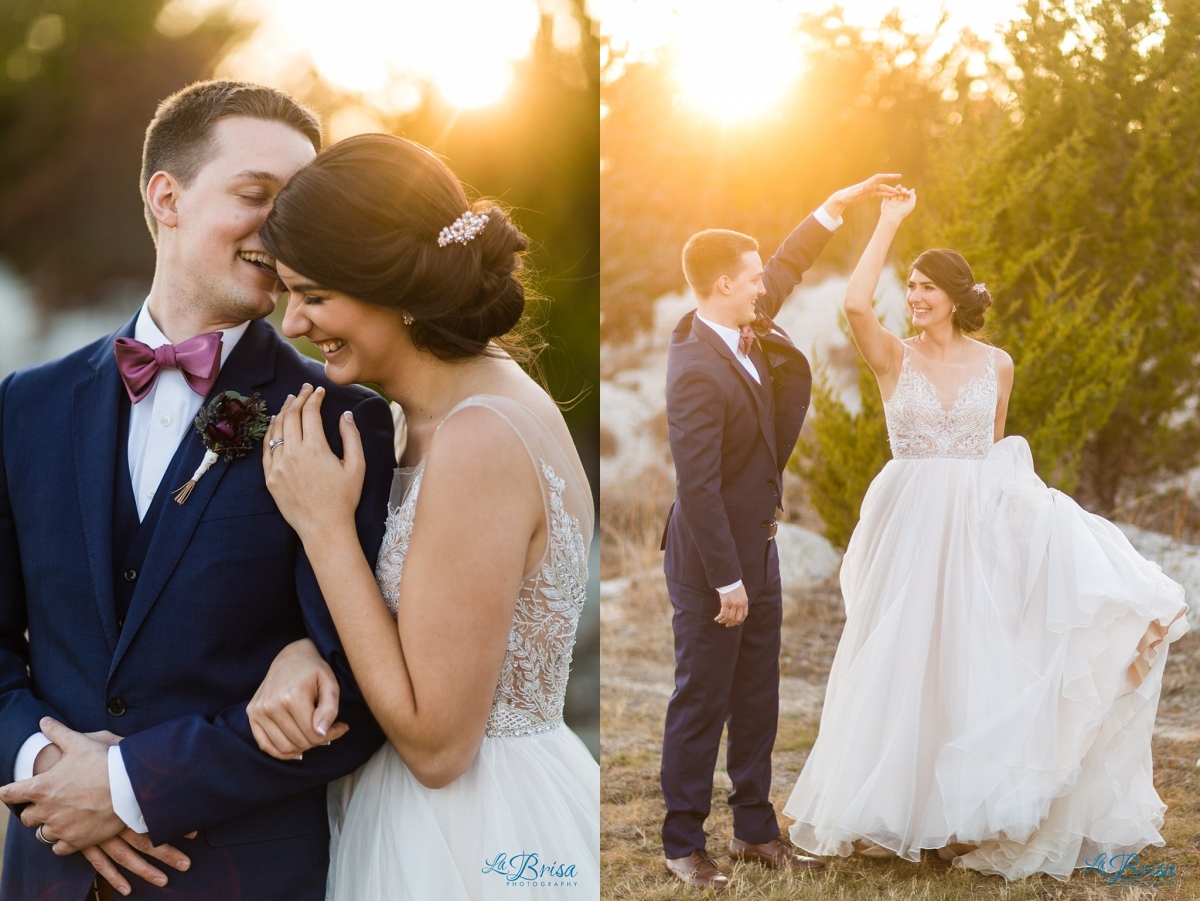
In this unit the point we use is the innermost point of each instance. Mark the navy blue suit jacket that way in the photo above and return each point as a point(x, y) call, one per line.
point(225, 585)
point(730, 444)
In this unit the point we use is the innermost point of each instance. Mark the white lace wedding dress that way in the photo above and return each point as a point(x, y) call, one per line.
point(999, 671)
point(524, 821)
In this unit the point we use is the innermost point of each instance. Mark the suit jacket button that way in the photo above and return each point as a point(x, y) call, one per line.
point(766, 523)
point(771, 482)
point(116, 707)
point(130, 575)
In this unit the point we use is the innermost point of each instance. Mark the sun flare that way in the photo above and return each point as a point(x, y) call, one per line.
point(741, 68)
point(390, 53)
point(736, 61)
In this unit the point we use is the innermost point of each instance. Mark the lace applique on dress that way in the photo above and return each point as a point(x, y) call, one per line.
point(532, 688)
point(919, 426)
point(533, 681)
point(390, 563)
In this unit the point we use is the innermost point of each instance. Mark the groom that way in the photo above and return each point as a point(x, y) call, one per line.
point(737, 392)
point(123, 611)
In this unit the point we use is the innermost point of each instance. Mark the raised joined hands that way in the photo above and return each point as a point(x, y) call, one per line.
point(875, 186)
point(897, 207)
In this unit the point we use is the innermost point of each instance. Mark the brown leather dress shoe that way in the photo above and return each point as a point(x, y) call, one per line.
point(778, 853)
point(698, 869)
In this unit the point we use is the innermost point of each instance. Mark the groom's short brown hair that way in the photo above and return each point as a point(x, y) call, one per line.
point(179, 139)
point(712, 253)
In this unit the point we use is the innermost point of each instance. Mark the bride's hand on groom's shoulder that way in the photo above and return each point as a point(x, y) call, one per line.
point(296, 703)
point(313, 489)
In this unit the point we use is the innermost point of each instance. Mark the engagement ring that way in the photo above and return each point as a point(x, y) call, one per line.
point(274, 443)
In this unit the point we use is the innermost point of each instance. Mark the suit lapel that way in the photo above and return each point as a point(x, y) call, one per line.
point(765, 394)
point(94, 417)
point(765, 416)
point(250, 364)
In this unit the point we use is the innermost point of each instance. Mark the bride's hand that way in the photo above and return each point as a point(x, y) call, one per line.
point(292, 709)
point(895, 209)
point(124, 849)
point(313, 489)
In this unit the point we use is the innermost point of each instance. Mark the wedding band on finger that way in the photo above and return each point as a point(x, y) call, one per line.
point(274, 443)
point(41, 836)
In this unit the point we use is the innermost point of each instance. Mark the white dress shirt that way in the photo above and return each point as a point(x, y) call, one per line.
point(156, 426)
point(730, 336)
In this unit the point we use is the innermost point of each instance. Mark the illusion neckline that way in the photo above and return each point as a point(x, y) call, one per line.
point(931, 389)
point(988, 355)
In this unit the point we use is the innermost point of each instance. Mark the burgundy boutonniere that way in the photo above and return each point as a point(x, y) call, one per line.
point(228, 426)
point(762, 324)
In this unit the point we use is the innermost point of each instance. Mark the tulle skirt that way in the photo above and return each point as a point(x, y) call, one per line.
point(523, 823)
point(997, 678)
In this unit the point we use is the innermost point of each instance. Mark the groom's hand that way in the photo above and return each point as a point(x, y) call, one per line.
point(52, 754)
point(46, 759)
point(865, 190)
point(734, 607)
point(72, 800)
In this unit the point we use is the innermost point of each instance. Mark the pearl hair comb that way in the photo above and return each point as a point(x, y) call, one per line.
point(463, 229)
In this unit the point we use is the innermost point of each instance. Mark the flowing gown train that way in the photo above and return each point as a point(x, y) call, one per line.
point(998, 675)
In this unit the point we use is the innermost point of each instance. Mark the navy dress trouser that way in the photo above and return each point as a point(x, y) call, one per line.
point(723, 677)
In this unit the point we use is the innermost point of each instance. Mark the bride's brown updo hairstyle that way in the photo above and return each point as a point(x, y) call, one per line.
point(949, 271)
point(364, 219)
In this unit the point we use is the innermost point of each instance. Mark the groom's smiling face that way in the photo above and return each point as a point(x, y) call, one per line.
point(738, 293)
point(215, 249)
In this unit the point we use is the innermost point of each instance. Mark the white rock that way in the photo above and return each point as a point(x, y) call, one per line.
point(806, 559)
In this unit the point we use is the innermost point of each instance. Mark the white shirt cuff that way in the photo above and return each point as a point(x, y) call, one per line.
point(826, 220)
point(729, 588)
point(27, 756)
point(124, 802)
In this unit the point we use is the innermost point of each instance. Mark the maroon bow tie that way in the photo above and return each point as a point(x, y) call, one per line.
point(196, 358)
point(745, 339)
point(747, 333)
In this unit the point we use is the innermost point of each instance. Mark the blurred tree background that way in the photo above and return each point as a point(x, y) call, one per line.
point(1060, 158)
point(80, 79)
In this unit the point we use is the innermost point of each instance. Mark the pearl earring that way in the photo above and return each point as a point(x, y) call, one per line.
point(407, 319)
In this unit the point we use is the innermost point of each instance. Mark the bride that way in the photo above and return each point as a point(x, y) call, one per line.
point(460, 635)
point(994, 690)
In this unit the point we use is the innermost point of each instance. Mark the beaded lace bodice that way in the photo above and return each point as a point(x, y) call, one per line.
point(533, 679)
point(920, 426)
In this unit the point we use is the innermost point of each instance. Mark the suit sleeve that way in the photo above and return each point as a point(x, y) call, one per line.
point(695, 428)
point(788, 264)
point(20, 710)
point(193, 772)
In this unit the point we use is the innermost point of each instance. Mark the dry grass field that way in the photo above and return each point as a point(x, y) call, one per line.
point(636, 681)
